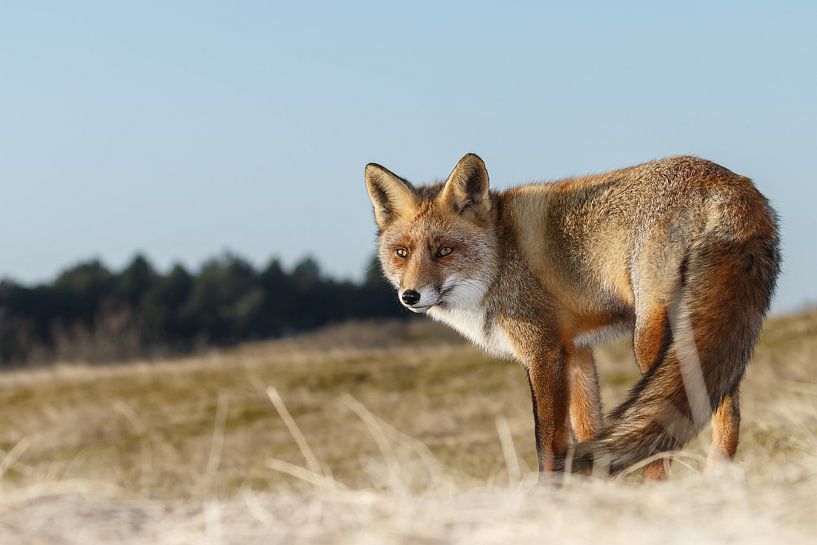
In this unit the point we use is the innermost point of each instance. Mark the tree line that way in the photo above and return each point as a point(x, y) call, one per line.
point(91, 313)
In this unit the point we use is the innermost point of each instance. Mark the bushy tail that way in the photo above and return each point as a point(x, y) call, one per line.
point(715, 318)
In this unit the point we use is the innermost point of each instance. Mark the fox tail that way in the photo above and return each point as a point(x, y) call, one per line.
point(715, 318)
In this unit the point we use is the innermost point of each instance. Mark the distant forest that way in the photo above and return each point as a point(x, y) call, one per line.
point(90, 313)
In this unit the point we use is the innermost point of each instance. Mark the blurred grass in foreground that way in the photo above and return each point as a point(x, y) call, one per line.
point(406, 423)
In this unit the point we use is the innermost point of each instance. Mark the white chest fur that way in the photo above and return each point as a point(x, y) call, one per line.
point(470, 322)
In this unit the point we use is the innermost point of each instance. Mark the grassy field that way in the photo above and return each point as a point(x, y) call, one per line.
point(378, 433)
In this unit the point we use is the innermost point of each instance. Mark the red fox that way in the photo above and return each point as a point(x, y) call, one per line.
point(680, 252)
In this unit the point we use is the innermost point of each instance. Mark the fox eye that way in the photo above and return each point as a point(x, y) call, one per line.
point(444, 251)
point(401, 252)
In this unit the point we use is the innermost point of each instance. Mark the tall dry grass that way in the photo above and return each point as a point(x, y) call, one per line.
point(378, 434)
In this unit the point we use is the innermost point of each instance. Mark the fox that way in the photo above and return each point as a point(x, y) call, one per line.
point(680, 253)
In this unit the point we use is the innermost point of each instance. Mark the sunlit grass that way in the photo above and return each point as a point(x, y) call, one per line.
point(412, 437)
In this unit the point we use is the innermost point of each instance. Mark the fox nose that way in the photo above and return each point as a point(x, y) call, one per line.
point(410, 297)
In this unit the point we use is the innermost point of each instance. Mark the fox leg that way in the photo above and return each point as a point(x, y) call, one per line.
point(651, 340)
point(549, 395)
point(585, 400)
point(725, 430)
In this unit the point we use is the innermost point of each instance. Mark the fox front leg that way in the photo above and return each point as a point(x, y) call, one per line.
point(549, 395)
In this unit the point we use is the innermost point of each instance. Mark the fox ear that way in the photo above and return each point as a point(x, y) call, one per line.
point(467, 186)
point(390, 194)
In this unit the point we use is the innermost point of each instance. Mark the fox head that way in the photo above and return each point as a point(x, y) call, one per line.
point(437, 244)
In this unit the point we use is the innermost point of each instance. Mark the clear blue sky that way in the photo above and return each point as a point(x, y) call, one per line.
point(181, 129)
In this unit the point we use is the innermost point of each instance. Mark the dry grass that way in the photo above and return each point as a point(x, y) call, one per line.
point(408, 436)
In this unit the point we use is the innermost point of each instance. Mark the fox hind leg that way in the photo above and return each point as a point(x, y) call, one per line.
point(651, 340)
point(725, 431)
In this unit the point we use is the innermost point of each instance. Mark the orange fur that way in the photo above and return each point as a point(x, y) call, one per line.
point(680, 252)
point(585, 401)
